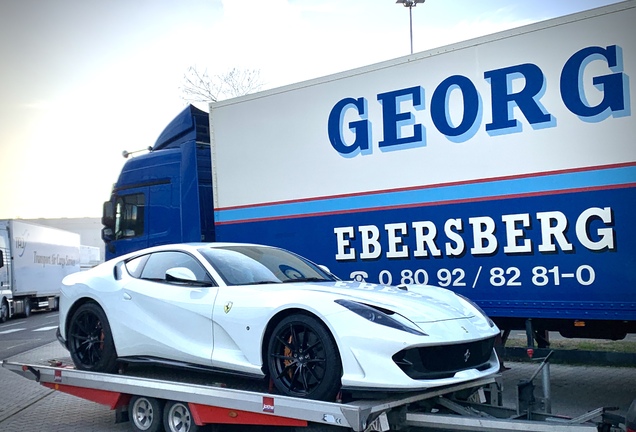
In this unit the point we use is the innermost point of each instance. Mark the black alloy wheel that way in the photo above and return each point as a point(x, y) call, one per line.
point(303, 359)
point(90, 341)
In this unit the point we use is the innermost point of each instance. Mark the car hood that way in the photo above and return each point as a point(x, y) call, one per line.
point(420, 304)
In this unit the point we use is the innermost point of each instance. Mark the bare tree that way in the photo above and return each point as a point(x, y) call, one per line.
point(200, 87)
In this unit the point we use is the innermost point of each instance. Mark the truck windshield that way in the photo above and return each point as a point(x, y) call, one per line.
point(249, 265)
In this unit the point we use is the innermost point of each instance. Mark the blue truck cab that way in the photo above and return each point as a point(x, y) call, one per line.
point(164, 196)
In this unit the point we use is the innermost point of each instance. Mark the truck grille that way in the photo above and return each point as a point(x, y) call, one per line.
point(443, 361)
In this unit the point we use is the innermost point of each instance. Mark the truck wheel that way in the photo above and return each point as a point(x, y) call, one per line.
point(178, 418)
point(145, 414)
point(27, 308)
point(4, 311)
point(90, 340)
point(303, 359)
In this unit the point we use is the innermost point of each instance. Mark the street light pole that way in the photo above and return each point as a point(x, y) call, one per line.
point(410, 4)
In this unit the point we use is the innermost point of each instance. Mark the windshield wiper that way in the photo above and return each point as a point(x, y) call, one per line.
point(308, 279)
point(265, 282)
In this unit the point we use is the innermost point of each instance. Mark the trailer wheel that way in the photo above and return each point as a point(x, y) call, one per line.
point(145, 414)
point(4, 311)
point(178, 418)
point(303, 359)
point(90, 340)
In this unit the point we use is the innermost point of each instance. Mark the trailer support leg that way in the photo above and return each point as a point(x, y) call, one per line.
point(545, 381)
point(530, 338)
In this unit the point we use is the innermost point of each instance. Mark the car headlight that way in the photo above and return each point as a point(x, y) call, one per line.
point(491, 323)
point(379, 317)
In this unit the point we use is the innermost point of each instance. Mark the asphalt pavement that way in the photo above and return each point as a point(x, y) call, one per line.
point(22, 334)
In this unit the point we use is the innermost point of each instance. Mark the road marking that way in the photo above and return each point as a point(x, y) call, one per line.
point(20, 344)
point(45, 328)
point(13, 324)
point(11, 331)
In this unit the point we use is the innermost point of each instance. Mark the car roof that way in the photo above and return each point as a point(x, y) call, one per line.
point(189, 247)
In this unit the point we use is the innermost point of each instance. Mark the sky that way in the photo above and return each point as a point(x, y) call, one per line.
point(83, 80)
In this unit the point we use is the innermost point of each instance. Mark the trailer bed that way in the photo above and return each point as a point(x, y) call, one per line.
point(223, 399)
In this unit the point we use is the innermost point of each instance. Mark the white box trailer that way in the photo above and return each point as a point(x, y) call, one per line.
point(33, 261)
point(90, 256)
point(503, 168)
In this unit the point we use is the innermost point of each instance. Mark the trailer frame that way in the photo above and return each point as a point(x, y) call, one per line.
point(470, 406)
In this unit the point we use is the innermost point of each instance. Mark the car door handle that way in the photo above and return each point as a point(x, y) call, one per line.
point(127, 296)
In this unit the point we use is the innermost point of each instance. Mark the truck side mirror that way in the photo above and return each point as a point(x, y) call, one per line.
point(107, 234)
point(108, 215)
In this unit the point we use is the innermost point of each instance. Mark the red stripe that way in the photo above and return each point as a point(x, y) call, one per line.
point(433, 186)
point(205, 414)
point(433, 203)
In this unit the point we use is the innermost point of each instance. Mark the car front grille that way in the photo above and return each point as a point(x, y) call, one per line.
point(444, 361)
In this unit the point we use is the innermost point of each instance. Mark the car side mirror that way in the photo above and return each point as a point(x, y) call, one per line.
point(180, 274)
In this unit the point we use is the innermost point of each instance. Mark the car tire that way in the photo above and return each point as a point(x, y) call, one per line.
point(145, 414)
point(303, 359)
point(178, 418)
point(4, 311)
point(90, 340)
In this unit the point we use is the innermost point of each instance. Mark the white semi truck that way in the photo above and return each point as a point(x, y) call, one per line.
point(33, 261)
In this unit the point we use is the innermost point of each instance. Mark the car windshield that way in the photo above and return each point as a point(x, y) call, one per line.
point(248, 265)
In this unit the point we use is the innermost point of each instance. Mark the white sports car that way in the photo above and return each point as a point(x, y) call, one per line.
point(263, 311)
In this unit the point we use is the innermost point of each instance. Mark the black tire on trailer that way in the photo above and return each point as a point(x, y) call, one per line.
point(303, 359)
point(145, 414)
point(27, 307)
point(4, 311)
point(90, 340)
point(178, 418)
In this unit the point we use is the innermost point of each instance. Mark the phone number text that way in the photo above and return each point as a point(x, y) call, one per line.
point(495, 276)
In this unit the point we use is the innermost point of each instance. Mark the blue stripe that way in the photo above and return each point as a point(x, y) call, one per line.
point(519, 186)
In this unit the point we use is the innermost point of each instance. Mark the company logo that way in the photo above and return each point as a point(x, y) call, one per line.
point(350, 121)
point(21, 243)
point(466, 355)
point(228, 307)
point(268, 404)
